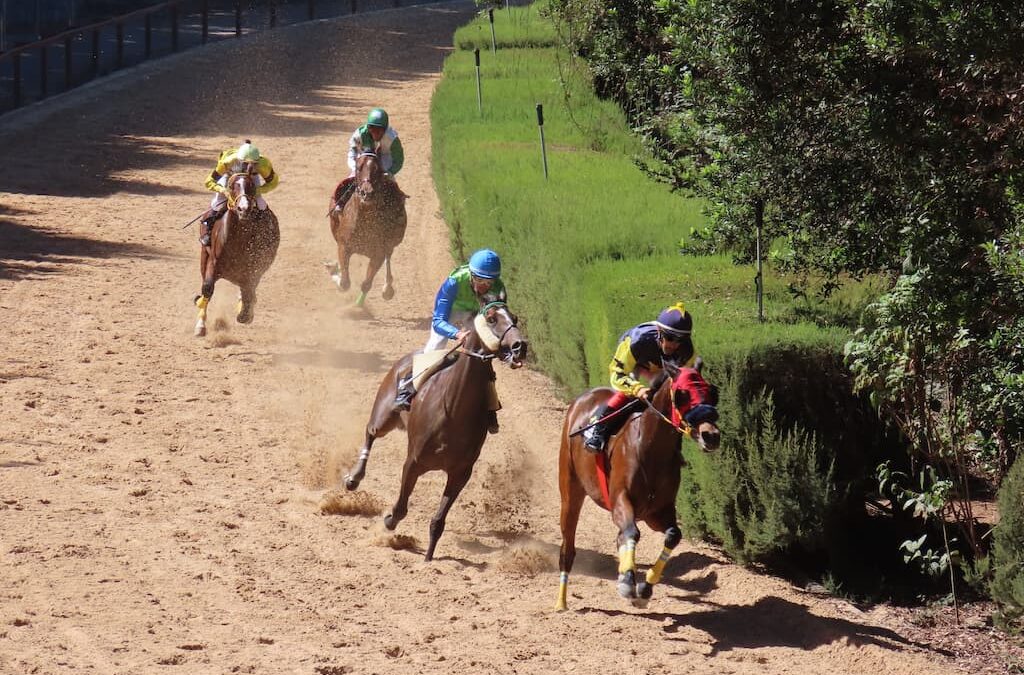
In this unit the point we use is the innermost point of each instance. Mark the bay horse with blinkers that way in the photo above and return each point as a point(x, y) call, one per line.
point(447, 421)
point(243, 244)
point(639, 477)
point(372, 223)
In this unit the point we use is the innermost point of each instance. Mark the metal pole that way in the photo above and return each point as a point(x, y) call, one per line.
point(174, 27)
point(238, 18)
point(39, 26)
point(759, 279)
point(68, 67)
point(543, 150)
point(149, 35)
point(43, 67)
point(95, 53)
point(479, 98)
point(494, 43)
point(206, 20)
point(3, 25)
point(16, 63)
point(120, 45)
point(273, 14)
point(312, 9)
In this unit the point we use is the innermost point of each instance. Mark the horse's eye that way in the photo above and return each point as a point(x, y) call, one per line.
point(491, 319)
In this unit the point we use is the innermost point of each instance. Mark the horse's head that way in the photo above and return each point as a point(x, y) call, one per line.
point(694, 408)
point(368, 174)
point(496, 327)
point(242, 192)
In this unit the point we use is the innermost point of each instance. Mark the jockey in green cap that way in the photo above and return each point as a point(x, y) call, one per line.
point(377, 136)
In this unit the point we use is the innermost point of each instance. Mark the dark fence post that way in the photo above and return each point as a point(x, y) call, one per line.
point(174, 27)
point(206, 20)
point(312, 9)
point(16, 62)
point(120, 45)
point(273, 14)
point(68, 79)
point(95, 52)
point(43, 67)
point(354, 7)
point(149, 35)
point(238, 18)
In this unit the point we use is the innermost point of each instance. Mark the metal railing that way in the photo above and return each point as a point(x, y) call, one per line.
point(34, 71)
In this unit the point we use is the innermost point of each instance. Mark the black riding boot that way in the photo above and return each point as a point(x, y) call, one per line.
point(595, 439)
point(492, 421)
point(403, 400)
point(208, 220)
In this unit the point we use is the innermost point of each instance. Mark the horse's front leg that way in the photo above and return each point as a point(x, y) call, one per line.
point(629, 534)
point(340, 275)
point(389, 288)
point(410, 474)
point(207, 265)
point(246, 303)
point(372, 268)
point(664, 523)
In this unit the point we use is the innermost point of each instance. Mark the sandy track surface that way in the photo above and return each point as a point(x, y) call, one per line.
point(160, 495)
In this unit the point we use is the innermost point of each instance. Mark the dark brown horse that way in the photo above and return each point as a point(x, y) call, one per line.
point(243, 244)
point(372, 223)
point(640, 480)
point(447, 422)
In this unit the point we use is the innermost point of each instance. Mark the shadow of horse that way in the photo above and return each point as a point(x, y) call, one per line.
point(371, 223)
point(447, 421)
point(243, 244)
point(637, 480)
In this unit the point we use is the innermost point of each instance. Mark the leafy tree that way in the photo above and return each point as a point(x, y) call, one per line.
point(879, 137)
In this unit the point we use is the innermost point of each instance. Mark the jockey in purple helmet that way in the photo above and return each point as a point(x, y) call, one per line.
point(642, 352)
point(460, 297)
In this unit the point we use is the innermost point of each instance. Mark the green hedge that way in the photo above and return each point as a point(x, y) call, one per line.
point(593, 250)
point(1008, 582)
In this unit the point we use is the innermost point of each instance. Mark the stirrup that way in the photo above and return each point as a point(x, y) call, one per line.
point(595, 439)
point(403, 399)
point(492, 422)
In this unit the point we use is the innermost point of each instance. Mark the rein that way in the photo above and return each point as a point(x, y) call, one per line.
point(682, 428)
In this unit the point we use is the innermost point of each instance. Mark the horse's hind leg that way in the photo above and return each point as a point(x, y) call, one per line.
point(383, 419)
point(572, 502)
point(452, 489)
point(372, 268)
point(629, 535)
point(389, 289)
point(410, 474)
point(663, 523)
point(246, 303)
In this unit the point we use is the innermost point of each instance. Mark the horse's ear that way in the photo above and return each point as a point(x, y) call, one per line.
point(712, 398)
point(681, 399)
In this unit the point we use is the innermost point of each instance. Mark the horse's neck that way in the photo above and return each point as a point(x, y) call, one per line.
point(662, 402)
point(467, 371)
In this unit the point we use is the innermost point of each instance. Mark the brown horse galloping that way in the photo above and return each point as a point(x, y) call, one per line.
point(243, 244)
point(642, 481)
point(447, 422)
point(372, 223)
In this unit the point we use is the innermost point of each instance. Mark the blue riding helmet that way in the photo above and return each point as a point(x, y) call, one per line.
point(485, 264)
point(675, 321)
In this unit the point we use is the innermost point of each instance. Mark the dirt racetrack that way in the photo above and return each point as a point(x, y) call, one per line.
point(160, 495)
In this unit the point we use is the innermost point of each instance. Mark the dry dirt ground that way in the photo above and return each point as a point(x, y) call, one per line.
point(161, 496)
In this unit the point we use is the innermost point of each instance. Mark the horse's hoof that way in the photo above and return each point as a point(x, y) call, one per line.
point(640, 603)
point(351, 482)
point(244, 316)
point(390, 522)
point(388, 293)
point(644, 591)
point(200, 331)
point(627, 585)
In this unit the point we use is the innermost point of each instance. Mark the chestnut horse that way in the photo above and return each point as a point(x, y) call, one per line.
point(447, 422)
point(372, 223)
point(243, 244)
point(639, 482)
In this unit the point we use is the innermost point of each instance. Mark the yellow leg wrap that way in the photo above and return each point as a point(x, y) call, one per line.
point(563, 591)
point(654, 574)
point(627, 556)
point(202, 301)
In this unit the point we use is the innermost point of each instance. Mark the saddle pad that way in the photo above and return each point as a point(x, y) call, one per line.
point(426, 364)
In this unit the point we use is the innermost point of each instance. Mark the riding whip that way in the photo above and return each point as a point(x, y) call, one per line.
point(614, 413)
point(193, 220)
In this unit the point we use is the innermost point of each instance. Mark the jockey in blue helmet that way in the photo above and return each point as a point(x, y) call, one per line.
point(460, 297)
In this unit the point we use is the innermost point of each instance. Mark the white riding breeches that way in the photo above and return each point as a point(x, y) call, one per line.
point(438, 341)
point(219, 199)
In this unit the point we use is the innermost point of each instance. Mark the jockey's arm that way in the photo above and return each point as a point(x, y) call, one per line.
point(443, 309)
point(621, 370)
point(269, 176)
point(355, 146)
point(397, 156)
point(211, 180)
